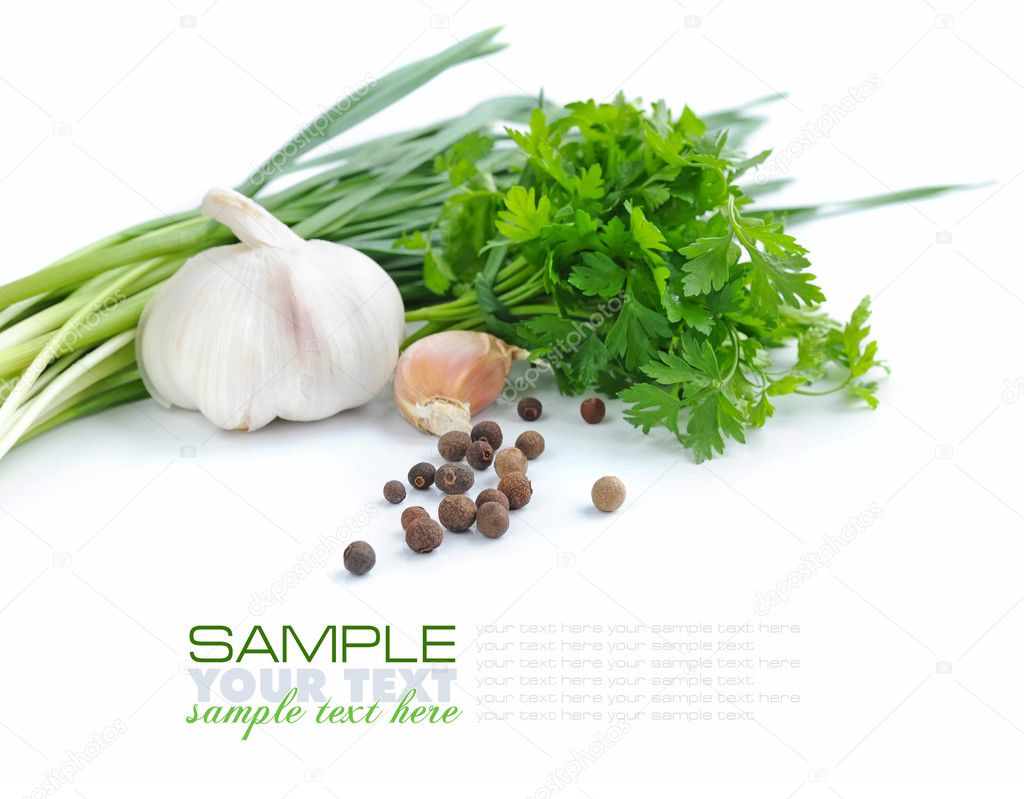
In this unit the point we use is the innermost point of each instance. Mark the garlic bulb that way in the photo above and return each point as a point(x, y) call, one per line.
point(272, 326)
point(445, 378)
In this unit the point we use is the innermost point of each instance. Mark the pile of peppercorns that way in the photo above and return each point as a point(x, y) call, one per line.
point(481, 449)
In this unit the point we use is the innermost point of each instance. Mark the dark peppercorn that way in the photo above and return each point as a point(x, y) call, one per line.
point(359, 557)
point(457, 512)
point(424, 535)
point(455, 478)
point(491, 495)
point(489, 430)
point(529, 409)
point(453, 445)
point(492, 520)
point(394, 491)
point(480, 454)
point(531, 443)
point(411, 514)
point(592, 410)
point(510, 459)
point(421, 476)
point(516, 486)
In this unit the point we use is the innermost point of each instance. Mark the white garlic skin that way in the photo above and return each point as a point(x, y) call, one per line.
point(274, 326)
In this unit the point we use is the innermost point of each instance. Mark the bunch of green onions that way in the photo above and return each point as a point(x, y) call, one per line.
point(67, 331)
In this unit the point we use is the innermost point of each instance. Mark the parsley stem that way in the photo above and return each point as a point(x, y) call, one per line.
point(823, 392)
point(512, 274)
point(735, 356)
point(534, 310)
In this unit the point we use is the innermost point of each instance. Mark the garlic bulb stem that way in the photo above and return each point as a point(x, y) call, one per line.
point(250, 222)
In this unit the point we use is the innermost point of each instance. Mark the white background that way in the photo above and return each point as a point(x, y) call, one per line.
point(116, 543)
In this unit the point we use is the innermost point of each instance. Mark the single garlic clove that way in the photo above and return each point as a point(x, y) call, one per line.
point(445, 378)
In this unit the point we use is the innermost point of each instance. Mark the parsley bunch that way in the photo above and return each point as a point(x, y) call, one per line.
point(622, 250)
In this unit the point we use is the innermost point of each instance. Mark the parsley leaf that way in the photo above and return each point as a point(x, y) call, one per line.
point(651, 407)
point(525, 216)
point(589, 185)
point(646, 234)
point(709, 260)
point(633, 334)
point(598, 275)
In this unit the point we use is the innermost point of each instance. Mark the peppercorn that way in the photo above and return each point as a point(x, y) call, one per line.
point(516, 486)
point(421, 476)
point(592, 410)
point(608, 494)
point(529, 409)
point(510, 460)
point(359, 557)
point(491, 495)
point(531, 443)
point(394, 491)
point(411, 514)
point(480, 454)
point(455, 478)
point(457, 512)
point(489, 430)
point(453, 445)
point(492, 519)
point(424, 535)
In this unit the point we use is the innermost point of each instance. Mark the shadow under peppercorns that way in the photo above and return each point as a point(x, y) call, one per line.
point(591, 512)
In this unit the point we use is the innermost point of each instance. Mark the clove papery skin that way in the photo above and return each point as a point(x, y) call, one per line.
point(445, 378)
